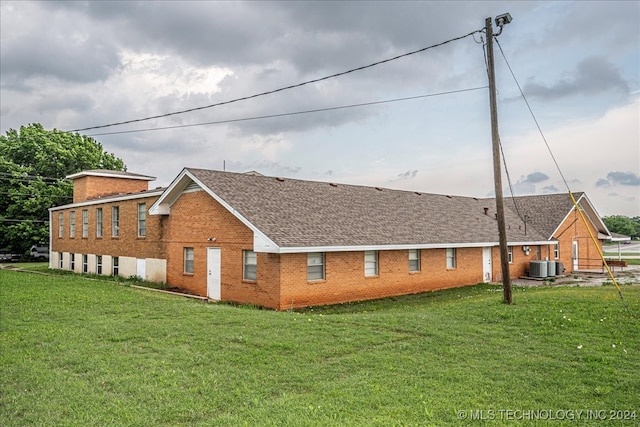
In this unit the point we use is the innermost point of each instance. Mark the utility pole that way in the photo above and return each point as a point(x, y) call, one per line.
point(497, 173)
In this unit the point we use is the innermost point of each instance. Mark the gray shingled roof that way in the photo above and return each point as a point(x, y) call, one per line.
point(543, 212)
point(297, 213)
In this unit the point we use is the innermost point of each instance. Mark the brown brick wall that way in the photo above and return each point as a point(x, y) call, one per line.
point(91, 187)
point(574, 229)
point(519, 267)
point(127, 244)
point(345, 279)
point(196, 217)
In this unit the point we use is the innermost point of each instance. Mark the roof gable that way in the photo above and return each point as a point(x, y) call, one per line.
point(547, 212)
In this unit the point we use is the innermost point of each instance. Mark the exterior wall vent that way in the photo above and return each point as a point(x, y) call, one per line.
point(192, 187)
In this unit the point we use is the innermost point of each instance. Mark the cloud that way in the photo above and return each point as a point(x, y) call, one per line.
point(527, 184)
point(619, 178)
point(410, 174)
point(591, 76)
point(536, 177)
point(38, 45)
point(623, 178)
point(265, 167)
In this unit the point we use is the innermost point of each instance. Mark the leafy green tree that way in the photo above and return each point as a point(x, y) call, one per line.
point(623, 225)
point(33, 165)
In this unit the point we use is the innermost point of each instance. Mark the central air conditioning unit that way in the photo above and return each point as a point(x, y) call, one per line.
point(551, 268)
point(538, 269)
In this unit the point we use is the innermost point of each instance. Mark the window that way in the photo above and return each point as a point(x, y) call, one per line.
point(60, 224)
point(72, 224)
point(250, 262)
point(451, 258)
point(60, 260)
point(72, 262)
point(370, 263)
point(99, 264)
point(414, 259)
point(115, 221)
point(510, 254)
point(115, 268)
point(85, 223)
point(556, 251)
point(315, 266)
point(98, 222)
point(188, 260)
point(142, 219)
point(85, 263)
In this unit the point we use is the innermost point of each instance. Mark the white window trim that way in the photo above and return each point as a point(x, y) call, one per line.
point(115, 221)
point(371, 262)
point(252, 255)
point(416, 260)
point(451, 258)
point(188, 256)
point(98, 222)
point(61, 224)
point(115, 266)
point(142, 220)
point(72, 224)
point(85, 223)
point(312, 261)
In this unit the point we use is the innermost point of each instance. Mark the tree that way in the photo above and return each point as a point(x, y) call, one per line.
point(33, 165)
point(623, 225)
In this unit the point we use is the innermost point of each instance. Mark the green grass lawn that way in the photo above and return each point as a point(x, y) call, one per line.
point(78, 352)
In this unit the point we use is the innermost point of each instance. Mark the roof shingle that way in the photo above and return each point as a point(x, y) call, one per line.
point(297, 213)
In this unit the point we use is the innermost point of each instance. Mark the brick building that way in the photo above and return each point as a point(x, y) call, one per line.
point(283, 243)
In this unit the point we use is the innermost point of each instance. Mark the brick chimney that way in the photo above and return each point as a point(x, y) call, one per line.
point(93, 184)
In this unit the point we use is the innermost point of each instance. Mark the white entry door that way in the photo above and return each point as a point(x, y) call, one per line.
point(486, 265)
point(141, 268)
point(213, 273)
point(574, 255)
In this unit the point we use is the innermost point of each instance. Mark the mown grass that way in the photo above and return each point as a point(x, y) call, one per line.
point(79, 352)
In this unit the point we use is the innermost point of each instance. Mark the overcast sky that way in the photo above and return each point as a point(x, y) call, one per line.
point(80, 64)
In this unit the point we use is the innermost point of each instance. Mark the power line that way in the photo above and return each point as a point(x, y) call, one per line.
point(28, 180)
point(534, 117)
point(55, 196)
point(317, 110)
point(279, 89)
point(575, 203)
point(23, 220)
point(25, 177)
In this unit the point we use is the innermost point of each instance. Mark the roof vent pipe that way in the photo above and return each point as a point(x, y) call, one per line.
point(486, 210)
